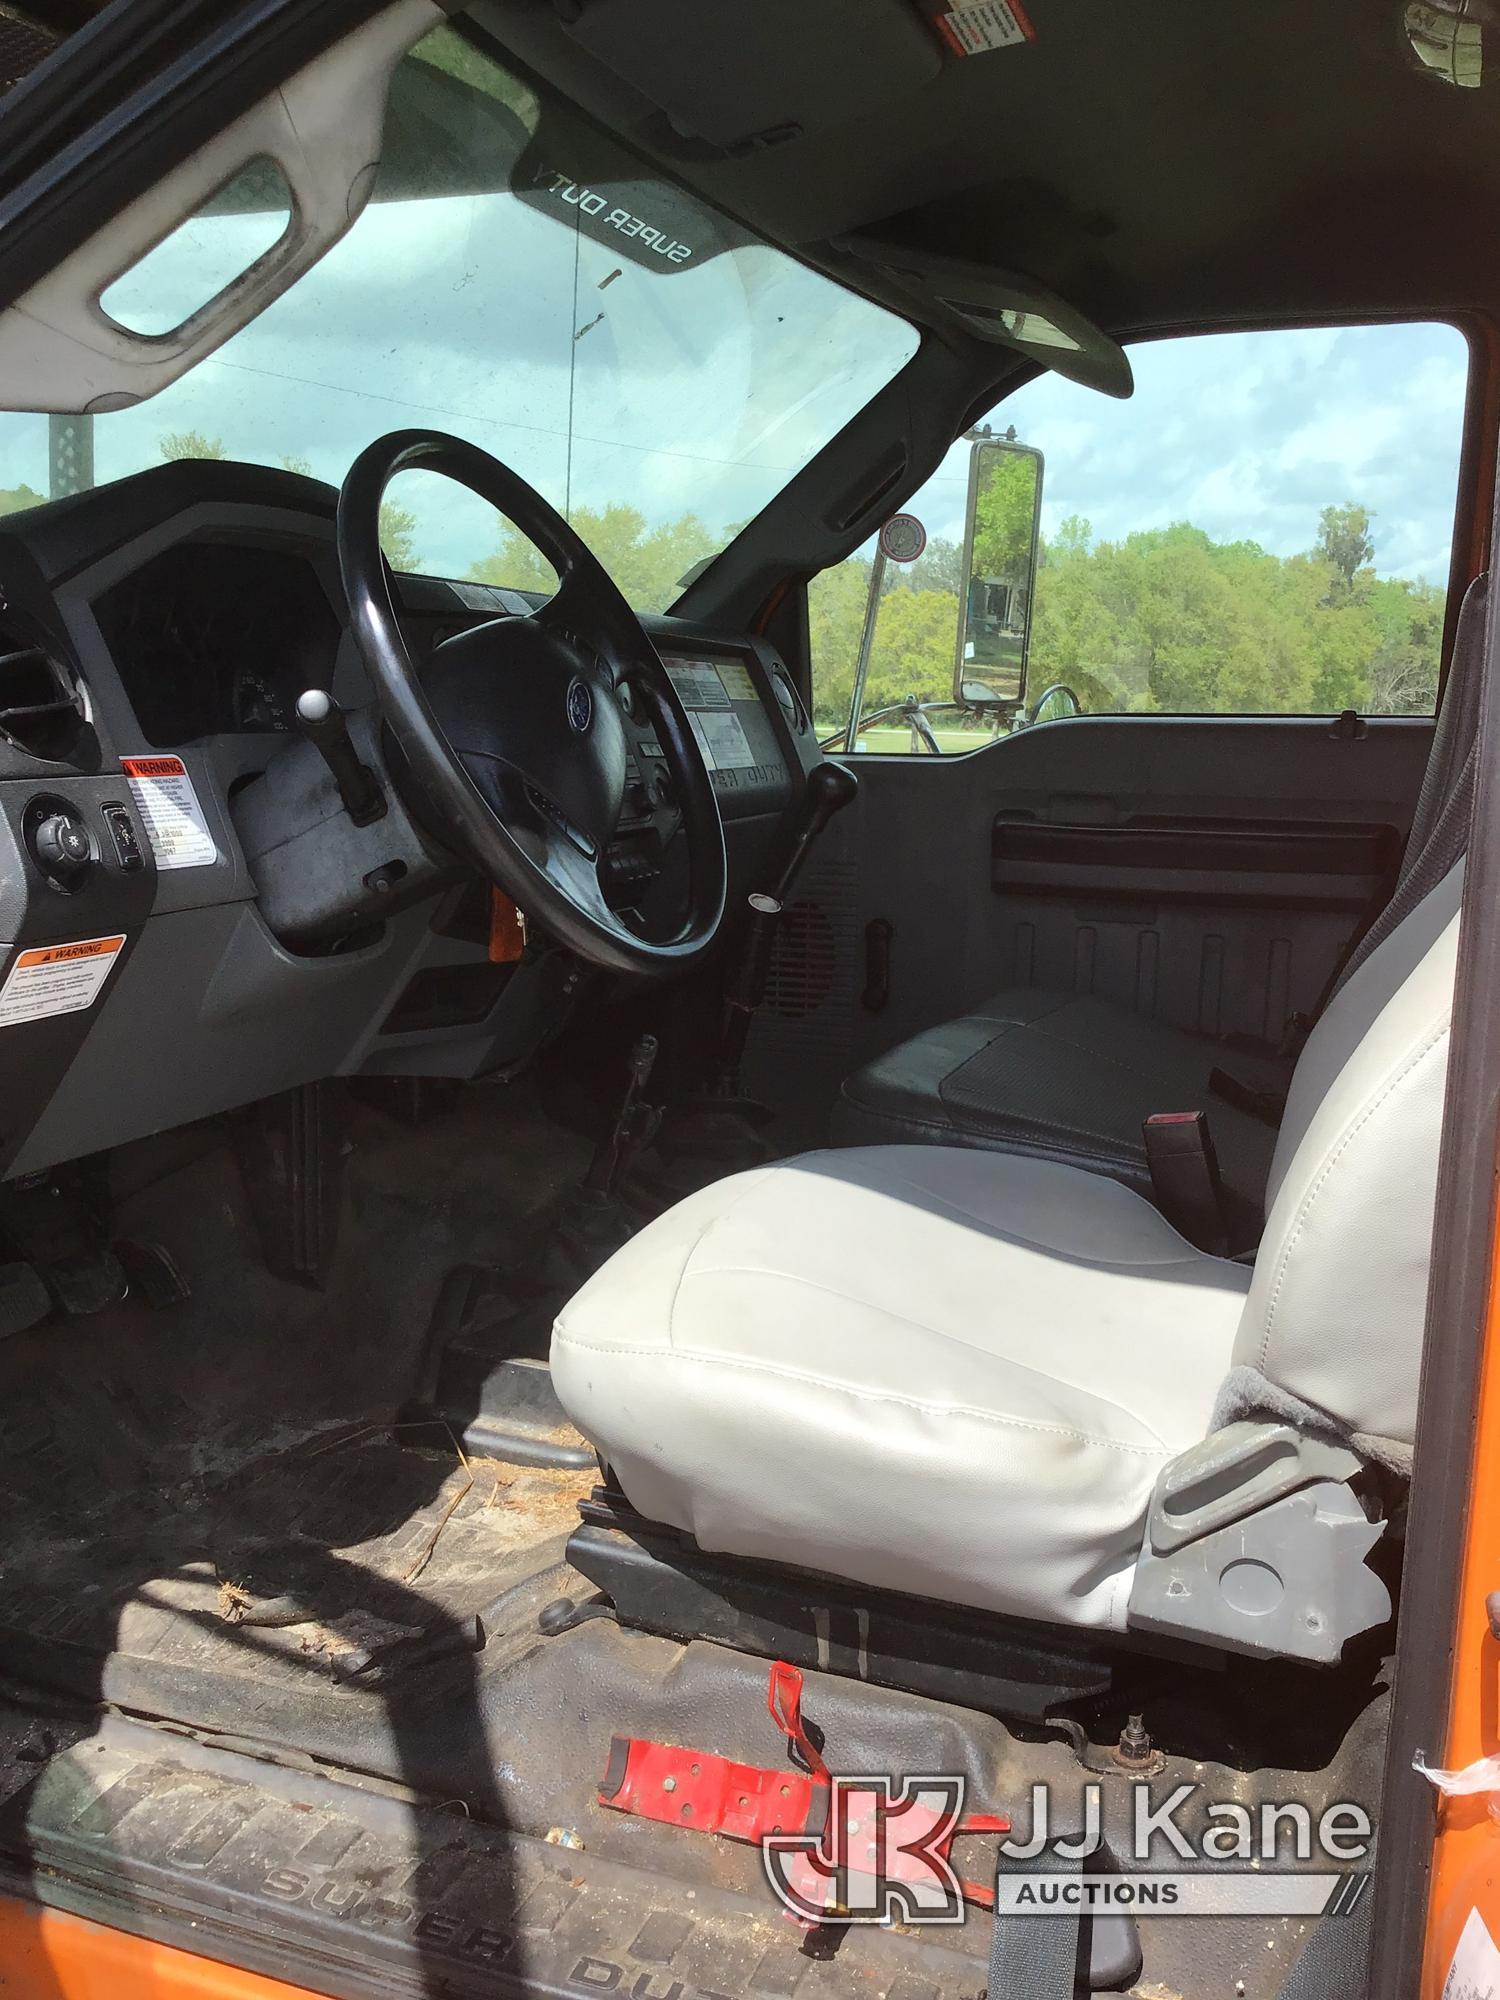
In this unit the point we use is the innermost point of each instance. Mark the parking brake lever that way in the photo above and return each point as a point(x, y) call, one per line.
point(323, 723)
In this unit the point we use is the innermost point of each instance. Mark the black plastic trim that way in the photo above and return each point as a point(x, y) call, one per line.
point(1222, 861)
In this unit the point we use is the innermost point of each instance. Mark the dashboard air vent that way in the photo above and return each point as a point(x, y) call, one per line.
point(42, 708)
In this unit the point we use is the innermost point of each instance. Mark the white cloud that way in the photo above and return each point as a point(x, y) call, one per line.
point(1249, 436)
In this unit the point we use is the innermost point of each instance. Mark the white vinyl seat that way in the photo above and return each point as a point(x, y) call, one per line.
point(973, 1377)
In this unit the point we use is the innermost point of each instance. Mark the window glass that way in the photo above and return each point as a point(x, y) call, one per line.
point(1265, 527)
point(652, 368)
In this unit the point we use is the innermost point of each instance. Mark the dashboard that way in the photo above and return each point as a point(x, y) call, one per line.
point(219, 637)
point(155, 635)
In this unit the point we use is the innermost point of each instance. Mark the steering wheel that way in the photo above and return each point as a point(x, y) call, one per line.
point(513, 737)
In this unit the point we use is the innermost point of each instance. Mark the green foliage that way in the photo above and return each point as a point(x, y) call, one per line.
point(939, 567)
point(1344, 541)
point(14, 499)
point(1004, 507)
point(914, 639)
point(191, 444)
point(648, 563)
point(398, 525)
point(398, 536)
point(1170, 620)
point(1167, 620)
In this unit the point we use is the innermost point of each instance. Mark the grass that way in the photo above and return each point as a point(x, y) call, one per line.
point(898, 742)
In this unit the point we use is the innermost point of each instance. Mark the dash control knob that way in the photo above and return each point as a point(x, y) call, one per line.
point(62, 849)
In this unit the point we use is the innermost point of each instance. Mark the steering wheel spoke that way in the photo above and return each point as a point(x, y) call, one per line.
point(513, 732)
point(565, 613)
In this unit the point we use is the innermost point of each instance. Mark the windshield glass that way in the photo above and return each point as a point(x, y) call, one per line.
point(517, 280)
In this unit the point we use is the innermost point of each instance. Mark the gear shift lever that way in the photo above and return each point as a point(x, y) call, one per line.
point(830, 787)
point(323, 723)
point(626, 1133)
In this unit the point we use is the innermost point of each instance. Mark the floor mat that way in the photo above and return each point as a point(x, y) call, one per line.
point(322, 1555)
point(311, 1880)
point(219, 1482)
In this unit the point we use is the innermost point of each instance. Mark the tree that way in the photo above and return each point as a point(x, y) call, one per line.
point(1004, 512)
point(398, 536)
point(191, 444)
point(836, 599)
point(398, 525)
point(1344, 542)
point(938, 567)
point(13, 499)
point(648, 563)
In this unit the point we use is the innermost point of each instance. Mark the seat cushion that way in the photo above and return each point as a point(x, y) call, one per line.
point(946, 1372)
point(1063, 1076)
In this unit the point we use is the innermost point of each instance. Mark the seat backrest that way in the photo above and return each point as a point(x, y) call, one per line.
point(1335, 1309)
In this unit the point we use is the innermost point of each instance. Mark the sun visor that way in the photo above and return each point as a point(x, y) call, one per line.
point(310, 149)
point(1002, 307)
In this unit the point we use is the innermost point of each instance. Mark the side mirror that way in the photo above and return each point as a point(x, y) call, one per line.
point(997, 582)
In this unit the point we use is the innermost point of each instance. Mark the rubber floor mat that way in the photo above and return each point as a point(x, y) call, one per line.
point(300, 1876)
point(333, 1553)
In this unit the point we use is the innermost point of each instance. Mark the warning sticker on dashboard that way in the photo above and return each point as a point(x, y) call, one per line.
point(976, 25)
point(57, 979)
point(174, 821)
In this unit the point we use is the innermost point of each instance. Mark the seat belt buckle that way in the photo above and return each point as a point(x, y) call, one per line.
point(1185, 1178)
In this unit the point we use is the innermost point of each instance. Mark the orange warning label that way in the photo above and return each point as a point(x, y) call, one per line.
point(57, 979)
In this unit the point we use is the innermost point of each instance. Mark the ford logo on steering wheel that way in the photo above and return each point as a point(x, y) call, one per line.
point(580, 707)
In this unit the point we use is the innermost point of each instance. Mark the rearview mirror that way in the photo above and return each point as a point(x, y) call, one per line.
point(997, 581)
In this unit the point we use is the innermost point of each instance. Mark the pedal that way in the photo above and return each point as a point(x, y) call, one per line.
point(290, 1152)
point(24, 1299)
point(152, 1274)
point(60, 1239)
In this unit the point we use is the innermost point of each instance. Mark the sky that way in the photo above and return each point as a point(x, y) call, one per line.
point(701, 387)
point(705, 387)
point(1250, 436)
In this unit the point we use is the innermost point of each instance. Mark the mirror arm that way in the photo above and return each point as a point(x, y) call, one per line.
point(920, 726)
point(866, 647)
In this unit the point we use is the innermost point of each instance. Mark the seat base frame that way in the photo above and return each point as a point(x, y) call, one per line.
point(658, 1580)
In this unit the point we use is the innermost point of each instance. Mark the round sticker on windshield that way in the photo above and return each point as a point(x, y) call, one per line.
point(903, 538)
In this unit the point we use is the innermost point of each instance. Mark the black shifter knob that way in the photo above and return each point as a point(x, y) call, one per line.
point(830, 787)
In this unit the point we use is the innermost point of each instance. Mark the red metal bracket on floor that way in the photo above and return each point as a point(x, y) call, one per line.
point(868, 1835)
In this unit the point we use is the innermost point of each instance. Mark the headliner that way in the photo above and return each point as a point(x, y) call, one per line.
point(1157, 165)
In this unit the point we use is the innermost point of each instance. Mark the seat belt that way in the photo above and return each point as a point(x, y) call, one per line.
point(1036, 1957)
point(1040, 1956)
point(1334, 1964)
point(1255, 1099)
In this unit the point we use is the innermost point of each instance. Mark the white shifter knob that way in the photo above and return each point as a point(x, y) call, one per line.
point(314, 705)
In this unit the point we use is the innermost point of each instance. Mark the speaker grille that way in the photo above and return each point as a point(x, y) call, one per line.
point(812, 990)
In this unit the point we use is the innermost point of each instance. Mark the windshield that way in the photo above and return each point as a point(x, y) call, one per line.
point(517, 280)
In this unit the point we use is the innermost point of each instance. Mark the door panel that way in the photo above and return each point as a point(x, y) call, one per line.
point(1207, 871)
